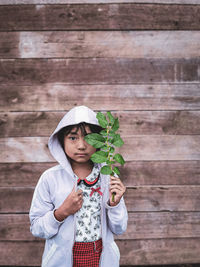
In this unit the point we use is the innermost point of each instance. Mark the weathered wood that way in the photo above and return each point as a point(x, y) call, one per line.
point(134, 173)
point(137, 173)
point(25, 149)
point(150, 225)
point(165, 198)
point(22, 174)
point(136, 147)
point(160, 251)
point(162, 225)
point(14, 124)
point(61, 97)
point(16, 199)
point(84, 44)
point(124, 16)
point(21, 253)
point(133, 252)
point(28, 2)
point(98, 71)
point(146, 198)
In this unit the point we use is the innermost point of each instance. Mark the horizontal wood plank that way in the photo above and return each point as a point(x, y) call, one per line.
point(12, 124)
point(21, 253)
point(141, 198)
point(133, 252)
point(84, 44)
point(162, 225)
point(16, 227)
point(30, 2)
point(124, 16)
point(60, 97)
point(134, 173)
point(172, 198)
point(98, 71)
point(136, 147)
point(160, 251)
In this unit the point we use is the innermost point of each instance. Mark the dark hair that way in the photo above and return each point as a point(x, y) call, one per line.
point(66, 130)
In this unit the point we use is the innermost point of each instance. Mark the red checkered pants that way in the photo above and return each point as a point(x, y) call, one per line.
point(87, 254)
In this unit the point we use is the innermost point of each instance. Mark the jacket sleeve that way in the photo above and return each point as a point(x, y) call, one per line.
point(117, 217)
point(43, 221)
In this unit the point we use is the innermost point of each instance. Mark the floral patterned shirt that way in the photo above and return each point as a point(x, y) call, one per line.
point(88, 218)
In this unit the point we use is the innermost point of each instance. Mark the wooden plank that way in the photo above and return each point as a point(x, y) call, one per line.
point(98, 71)
point(25, 149)
point(143, 198)
point(133, 252)
point(157, 225)
point(21, 253)
point(134, 173)
point(12, 124)
point(61, 97)
point(150, 225)
point(22, 174)
point(49, 2)
point(124, 16)
point(165, 198)
point(160, 251)
point(84, 44)
point(136, 147)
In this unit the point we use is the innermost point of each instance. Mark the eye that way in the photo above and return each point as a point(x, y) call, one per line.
point(73, 138)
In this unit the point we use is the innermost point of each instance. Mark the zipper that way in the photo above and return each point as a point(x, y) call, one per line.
point(74, 220)
point(102, 217)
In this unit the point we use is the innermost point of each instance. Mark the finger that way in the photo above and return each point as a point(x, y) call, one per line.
point(74, 188)
point(79, 192)
point(118, 187)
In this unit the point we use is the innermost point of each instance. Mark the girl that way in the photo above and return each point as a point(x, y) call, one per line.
point(72, 204)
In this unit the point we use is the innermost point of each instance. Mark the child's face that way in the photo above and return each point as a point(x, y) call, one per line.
point(76, 148)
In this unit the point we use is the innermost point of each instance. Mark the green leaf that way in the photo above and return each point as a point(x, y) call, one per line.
point(111, 150)
point(99, 157)
point(104, 148)
point(102, 120)
point(117, 141)
point(115, 126)
point(103, 132)
point(95, 140)
point(116, 170)
point(118, 157)
point(110, 117)
point(106, 170)
point(110, 162)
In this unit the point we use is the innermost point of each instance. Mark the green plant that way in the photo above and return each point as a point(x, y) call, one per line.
point(106, 141)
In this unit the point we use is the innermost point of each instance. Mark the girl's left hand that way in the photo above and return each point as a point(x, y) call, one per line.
point(117, 187)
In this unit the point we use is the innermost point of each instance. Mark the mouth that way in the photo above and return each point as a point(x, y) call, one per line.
point(81, 154)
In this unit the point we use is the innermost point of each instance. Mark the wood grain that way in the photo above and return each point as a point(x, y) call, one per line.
point(30, 2)
point(21, 253)
point(61, 97)
point(141, 198)
point(163, 198)
point(150, 225)
point(136, 147)
point(134, 173)
point(124, 16)
point(160, 251)
point(98, 71)
point(109, 44)
point(14, 124)
point(133, 252)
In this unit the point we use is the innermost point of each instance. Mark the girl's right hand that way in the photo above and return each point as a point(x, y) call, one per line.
point(71, 205)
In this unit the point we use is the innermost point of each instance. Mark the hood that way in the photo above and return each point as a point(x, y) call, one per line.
point(74, 116)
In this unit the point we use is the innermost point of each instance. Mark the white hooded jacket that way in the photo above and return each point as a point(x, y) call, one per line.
point(53, 187)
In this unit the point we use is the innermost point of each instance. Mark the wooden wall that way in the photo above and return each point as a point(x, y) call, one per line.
point(141, 61)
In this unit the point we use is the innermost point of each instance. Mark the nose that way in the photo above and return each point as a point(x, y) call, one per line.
point(82, 144)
